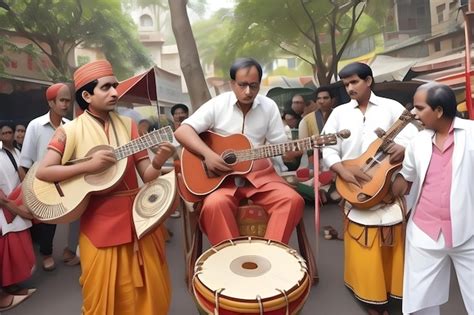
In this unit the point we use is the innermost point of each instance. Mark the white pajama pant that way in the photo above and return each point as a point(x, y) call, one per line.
point(427, 275)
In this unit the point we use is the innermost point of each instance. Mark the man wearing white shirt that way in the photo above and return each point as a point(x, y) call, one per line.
point(37, 137)
point(439, 162)
point(373, 238)
point(246, 112)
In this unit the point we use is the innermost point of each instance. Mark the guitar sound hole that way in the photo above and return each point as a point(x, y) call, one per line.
point(229, 158)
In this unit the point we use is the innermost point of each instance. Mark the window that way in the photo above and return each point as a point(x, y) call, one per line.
point(437, 46)
point(440, 12)
point(146, 21)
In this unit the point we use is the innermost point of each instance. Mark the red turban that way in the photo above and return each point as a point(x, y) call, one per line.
point(92, 71)
point(53, 90)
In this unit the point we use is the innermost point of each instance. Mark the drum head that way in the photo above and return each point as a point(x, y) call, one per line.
point(247, 268)
point(154, 203)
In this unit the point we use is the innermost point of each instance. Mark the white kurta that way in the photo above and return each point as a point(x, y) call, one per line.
point(380, 113)
point(9, 179)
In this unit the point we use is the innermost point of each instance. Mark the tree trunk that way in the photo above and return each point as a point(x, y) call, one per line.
point(188, 54)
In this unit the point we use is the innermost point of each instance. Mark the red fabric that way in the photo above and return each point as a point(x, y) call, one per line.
point(17, 257)
point(92, 71)
point(108, 219)
point(282, 203)
point(325, 178)
point(53, 90)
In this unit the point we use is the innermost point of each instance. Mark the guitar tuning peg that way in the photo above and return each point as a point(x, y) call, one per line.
point(379, 132)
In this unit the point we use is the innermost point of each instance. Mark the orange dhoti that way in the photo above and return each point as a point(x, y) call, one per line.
point(282, 203)
point(125, 279)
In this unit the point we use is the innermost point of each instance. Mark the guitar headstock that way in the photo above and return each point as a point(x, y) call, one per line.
point(407, 116)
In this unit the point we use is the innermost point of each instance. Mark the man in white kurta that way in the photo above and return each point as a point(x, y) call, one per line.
point(365, 250)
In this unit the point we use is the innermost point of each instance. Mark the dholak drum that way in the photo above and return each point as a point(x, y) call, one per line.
point(251, 276)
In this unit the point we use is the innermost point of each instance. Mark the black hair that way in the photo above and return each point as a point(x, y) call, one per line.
point(89, 87)
point(244, 63)
point(7, 123)
point(358, 68)
point(179, 106)
point(324, 88)
point(440, 95)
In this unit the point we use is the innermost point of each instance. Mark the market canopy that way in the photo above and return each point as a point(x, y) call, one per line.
point(140, 89)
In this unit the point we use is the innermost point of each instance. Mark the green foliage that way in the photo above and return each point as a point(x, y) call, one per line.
point(62, 25)
point(316, 31)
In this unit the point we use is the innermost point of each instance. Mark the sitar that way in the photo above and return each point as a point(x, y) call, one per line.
point(375, 163)
point(236, 150)
point(65, 201)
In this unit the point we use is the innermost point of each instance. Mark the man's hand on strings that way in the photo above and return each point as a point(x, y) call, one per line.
point(215, 164)
point(351, 174)
point(100, 161)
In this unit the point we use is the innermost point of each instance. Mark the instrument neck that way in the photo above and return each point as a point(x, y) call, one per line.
point(274, 150)
point(396, 128)
point(144, 142)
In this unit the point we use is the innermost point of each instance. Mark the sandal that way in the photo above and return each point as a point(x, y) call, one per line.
point(17, 299)
point(331, 233)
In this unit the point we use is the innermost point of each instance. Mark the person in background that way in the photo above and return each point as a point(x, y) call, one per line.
point(373, 238)
point(120, 273)
point(179, 112)
point(291, 121)
point(437, 167)
point(298, 104)
point(312, 125)
point(144, 127)
point(242, 111)
point(19, 136)
point(38, 134)
point(17, 258)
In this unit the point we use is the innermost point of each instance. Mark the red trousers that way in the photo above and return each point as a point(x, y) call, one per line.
point(282, 203)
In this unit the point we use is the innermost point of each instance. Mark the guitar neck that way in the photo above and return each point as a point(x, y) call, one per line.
point(273, 150)
point(396, 128)
point(146, 141)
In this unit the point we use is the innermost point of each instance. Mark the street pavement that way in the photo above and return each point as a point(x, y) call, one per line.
point(59, 292)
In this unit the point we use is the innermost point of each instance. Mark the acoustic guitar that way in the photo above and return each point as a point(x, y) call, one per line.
point(375, 163)
point(236, 150)
point(65, 201)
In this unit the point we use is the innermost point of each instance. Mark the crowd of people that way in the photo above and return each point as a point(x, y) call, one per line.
point(400, 248)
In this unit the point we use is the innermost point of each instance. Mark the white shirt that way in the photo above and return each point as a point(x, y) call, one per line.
point(221, 114)
point(9, 179)
point(37, 137)
point(415, 165)
point(380, 113)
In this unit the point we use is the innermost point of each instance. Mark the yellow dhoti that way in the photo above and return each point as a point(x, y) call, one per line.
point(127, 279)
point(373, 266)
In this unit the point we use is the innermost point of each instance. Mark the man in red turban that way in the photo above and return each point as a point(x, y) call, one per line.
point(38, 134)
point(121, 274)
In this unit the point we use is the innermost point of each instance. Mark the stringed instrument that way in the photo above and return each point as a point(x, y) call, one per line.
point(236, 150)
point(375, 163)
point(65, 201)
